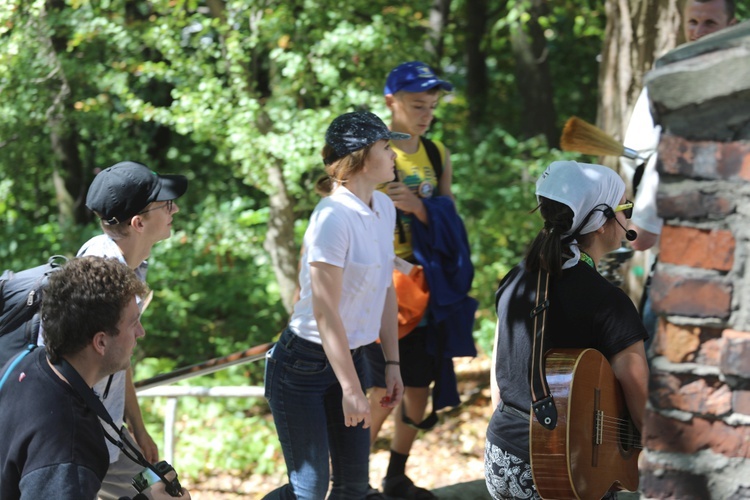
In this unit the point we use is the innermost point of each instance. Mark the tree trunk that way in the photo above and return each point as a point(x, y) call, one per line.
point(637, 33)
point(438, 21)
point(280, 236)
point(279, 241)
point(532, 74)
point(68, 172)
point(476, 62)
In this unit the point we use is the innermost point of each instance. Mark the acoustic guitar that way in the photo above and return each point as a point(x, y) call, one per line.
point(595, 446)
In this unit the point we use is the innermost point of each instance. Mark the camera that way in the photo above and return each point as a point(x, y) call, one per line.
point(147, 477)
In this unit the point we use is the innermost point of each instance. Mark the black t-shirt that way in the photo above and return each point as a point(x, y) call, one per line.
point(585, 311)
point(52, 444)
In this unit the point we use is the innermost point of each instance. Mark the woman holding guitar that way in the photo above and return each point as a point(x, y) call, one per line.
point(584, 211)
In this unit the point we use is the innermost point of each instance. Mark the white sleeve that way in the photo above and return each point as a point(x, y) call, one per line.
point(641, 135)
point(644, 206)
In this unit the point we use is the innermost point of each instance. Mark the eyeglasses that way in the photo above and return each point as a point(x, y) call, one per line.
point(626, 208)
point(168, 204)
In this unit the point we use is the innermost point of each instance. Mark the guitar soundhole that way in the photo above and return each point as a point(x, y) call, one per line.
point(630, 439)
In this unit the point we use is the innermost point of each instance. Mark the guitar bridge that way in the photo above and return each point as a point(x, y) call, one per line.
point(599, 427)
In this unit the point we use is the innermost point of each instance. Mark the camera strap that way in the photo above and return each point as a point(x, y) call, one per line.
point(94, 403)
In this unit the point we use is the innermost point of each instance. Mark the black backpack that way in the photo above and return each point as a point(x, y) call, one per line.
point(20, 300)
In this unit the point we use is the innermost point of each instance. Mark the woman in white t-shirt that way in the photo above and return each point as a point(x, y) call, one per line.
point(314, 373)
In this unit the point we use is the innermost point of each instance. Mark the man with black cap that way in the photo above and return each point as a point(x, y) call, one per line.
point(135, 206)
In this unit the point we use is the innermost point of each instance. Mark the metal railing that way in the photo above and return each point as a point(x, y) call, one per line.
point(159, 387)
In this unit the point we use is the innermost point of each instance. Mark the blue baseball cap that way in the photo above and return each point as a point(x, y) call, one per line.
point(414, 76)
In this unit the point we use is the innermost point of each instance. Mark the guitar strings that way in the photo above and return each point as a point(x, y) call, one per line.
point(614, 428)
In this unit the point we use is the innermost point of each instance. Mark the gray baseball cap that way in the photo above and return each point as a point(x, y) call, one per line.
point(351, 132)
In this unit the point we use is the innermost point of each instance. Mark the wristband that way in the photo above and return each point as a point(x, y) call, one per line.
point(393, 363)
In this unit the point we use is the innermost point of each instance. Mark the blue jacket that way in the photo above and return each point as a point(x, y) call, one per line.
point(442, 248)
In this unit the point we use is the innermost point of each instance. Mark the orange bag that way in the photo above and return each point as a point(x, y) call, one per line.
point(412, 294)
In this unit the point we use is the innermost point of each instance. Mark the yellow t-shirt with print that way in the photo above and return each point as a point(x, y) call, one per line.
point(416, 172)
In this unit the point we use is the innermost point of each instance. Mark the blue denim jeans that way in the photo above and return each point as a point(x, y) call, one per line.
point(305, 399)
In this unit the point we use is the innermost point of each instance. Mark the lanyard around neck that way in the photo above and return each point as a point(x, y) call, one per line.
point(94, 403)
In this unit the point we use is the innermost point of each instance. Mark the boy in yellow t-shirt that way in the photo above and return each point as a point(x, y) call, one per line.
point(412, 92)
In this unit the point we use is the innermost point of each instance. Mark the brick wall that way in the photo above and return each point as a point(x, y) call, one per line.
point(697, 426)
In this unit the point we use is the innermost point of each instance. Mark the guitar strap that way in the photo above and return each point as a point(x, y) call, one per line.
point(542, 402)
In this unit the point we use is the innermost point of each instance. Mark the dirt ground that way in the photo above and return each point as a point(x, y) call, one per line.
point(451, 453)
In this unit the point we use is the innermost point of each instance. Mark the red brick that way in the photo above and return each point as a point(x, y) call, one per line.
point(658, 480)
point(735, 160)
point(693, 205)
point(703, 248)
point(679, 344)
point(688, 343)
point(689, 393)
point(704, 159)
point(741, 402)
point(735, 353)
point(670, 435)
point(710, 352)
point(693, 297)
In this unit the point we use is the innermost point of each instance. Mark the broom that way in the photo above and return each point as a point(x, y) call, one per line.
point(582, 137)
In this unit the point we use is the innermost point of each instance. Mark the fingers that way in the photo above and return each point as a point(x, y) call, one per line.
point(353, 421)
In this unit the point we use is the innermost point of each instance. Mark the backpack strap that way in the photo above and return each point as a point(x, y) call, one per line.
point(14, 362)
point(433, 153)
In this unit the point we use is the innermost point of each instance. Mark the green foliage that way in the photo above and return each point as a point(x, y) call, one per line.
point(495, 184)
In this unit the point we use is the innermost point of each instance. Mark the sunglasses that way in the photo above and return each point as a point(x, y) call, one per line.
point(168, 204)
point(626, 208)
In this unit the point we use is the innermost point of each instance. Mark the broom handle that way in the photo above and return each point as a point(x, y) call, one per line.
point(630, 153)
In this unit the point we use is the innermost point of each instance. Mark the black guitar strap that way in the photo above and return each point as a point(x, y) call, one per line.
point(94, 403)
point(542, 402)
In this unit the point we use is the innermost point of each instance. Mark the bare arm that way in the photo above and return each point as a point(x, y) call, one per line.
point(326, 281)
point(446, 179)
point(631, 370)
point(389, 344)
point(134, 420)
point(645, 239)
point(494, 387)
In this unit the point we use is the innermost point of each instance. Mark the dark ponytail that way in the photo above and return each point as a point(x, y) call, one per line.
point(546, 251)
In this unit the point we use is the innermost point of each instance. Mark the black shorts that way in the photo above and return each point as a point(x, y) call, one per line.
point(417, 365)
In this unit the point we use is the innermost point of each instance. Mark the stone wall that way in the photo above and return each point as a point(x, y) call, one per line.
point(697, 428)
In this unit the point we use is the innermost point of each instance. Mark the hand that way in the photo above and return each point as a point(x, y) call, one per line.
point(404, 199)
point(356, 409)
point(147, 444)
point(394, 387)
point(158, 491)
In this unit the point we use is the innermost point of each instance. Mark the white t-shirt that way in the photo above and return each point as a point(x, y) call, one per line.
point(344, 232)
point(643, 136)
point(104, 246)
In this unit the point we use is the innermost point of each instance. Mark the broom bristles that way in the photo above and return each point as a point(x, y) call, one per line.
point(583, 137)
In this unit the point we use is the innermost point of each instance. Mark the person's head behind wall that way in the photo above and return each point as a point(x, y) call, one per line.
point(87, 296)
point(129, 189)
point(573, 200)
point(703, 17)
point(349, 139)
